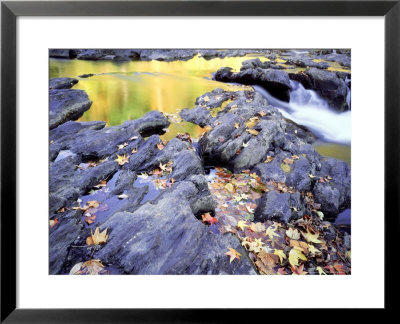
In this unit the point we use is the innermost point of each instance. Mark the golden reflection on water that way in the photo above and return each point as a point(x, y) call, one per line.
point(337, 151)
point(127, 90)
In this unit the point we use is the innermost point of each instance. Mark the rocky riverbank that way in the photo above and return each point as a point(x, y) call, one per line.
point(250, 196)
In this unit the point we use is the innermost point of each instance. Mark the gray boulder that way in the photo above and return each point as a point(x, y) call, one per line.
point(277, 82)
point(67, 105)
point(278, 206)
point(164, 237)
point(329, 86)
point(62, 83)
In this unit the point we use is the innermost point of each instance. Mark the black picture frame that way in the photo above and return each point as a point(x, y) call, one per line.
point(10, 10)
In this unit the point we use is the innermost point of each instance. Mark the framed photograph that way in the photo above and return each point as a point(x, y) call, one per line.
point(160, 158)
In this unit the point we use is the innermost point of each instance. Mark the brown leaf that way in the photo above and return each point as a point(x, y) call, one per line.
point(267, 262)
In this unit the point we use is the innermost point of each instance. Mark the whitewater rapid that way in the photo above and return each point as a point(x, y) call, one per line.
point(307, 108)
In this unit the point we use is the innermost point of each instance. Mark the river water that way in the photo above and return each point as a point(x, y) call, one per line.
point(127, 90)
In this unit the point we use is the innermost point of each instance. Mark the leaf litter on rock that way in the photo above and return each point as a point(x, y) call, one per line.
point(297, 248)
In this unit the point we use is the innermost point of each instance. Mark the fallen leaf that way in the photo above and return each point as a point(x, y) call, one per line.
point(121, 146)
point(242, 225)
point(339, 268)
point(229, 187)
point(90, 219)
point(256, 246)
point(293, 233)
point(270, 232)
point(267, 262)
point(311, 237)
point(93, 204)
point(233, 254)
point(143, 175)
point(53, 222)
point(313, 250)
point(252, 122)
point(320, 271)
point(302, 246)
point(288, 161)
point(252, 131)
point(269, 159)
point(122, 159)
point(299, 270)
point(236, 125)
point(262, 113)
point(280, 254)
point(257, 227)
point(97, 238)
point(160, 146)
point(101, 184)
point(294, 256)
point(208, 218)
point(206, 98)
point(285, 167)
point(134, 150)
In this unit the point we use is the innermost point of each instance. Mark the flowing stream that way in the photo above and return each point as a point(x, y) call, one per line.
point(308, 109)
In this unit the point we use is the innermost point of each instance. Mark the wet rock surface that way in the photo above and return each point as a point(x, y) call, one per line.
point(67, 104)
point(251, 135)
point(277, 82)
point(150, 195)
point(166, 227)
point(62, 83)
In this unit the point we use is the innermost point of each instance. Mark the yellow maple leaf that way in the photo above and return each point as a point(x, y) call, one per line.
point(320, 271)
point(252, 131)
point(236, 125)
point(293, 233)
point(313, 249)
point(280, 254)
point(269, 159)
point(255, 246)
point(295, 255)
point(270, 232)
point(252, 122)
point(97, 238)
point(122, 159)
point(241, 225)
point(232, 253)
point(229, 187)
point(311, 237)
